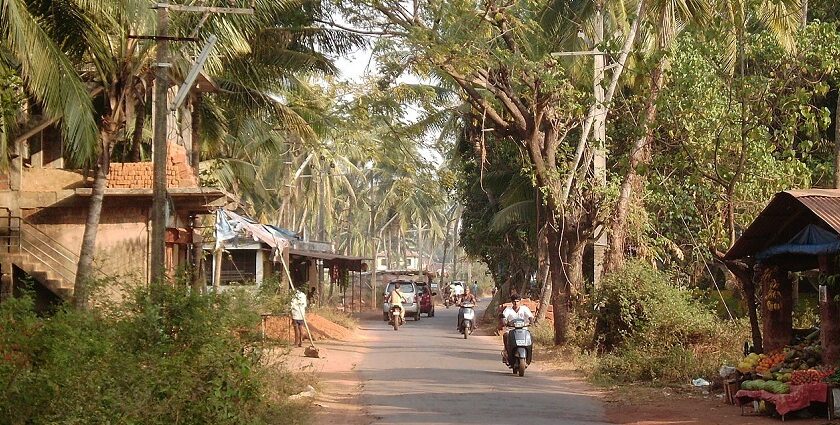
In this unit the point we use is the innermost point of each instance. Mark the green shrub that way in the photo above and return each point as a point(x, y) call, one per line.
point(651, 329)
point(640, 303)
point(543, 333)
point(161, 356)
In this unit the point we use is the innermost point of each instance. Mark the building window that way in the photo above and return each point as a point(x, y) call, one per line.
point(408, 262)
point(239, 267)
point(383, 262)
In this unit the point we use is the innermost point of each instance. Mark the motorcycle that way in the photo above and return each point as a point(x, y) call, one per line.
point(467, 324)
point(396, 317)
point(519, 346)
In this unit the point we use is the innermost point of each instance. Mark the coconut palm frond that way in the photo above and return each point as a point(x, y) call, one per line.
point(57, 87)
point(513, 215)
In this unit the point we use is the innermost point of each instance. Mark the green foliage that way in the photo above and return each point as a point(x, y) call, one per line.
point(655, 330)
point(162, 356)
point(806, 312)
point(639, 304)
point(542, 333)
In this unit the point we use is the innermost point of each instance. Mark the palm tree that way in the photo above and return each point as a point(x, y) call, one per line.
point(27, 47)
point(248, 71)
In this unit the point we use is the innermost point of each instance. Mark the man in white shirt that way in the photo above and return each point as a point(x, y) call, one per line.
point(298, 310)
point(514, 311)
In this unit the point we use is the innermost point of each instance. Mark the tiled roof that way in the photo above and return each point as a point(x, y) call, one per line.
point(138, 175)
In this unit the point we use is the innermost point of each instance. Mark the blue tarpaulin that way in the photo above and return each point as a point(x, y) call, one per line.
point(812, 240)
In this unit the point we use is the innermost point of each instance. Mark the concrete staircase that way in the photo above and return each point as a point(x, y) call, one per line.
point(42, 273)
point(39, 255)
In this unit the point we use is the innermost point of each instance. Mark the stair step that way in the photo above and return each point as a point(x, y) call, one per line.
point(48, 278)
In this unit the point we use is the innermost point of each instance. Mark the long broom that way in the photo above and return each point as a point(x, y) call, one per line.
point(312, 350)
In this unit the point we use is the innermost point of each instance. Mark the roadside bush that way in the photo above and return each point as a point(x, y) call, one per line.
point(161, 356)
point(543, 333)
point(650, 329)
point(639, 304)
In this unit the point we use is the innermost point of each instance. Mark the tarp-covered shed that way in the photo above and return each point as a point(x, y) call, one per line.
point(798, 230)
point(780, 226)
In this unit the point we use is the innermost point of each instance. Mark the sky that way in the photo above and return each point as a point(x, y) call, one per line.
point(353, 67)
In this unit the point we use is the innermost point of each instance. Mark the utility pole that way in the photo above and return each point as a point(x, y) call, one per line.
point(160, 211)
point(599, 127)
point(159, 205)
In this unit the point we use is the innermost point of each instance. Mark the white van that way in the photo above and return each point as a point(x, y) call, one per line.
point(411, 306)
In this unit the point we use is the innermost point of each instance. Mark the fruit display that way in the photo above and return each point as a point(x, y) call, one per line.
point(810, 376)
point(795, 365)
point(775, 387)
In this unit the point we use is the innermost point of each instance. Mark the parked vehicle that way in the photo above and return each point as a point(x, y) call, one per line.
point(425, 299)
point(466, 315)
point(410, 304)
point(396, 318)
point(519, 346)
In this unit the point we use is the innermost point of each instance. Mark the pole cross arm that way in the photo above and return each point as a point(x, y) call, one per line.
point(202, 9)
point(193, 74)
point(578, 53)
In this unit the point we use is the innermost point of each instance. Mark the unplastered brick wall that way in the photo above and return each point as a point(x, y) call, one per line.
point(138, 175)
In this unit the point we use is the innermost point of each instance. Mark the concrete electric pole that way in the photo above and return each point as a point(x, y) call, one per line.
point(160, 206)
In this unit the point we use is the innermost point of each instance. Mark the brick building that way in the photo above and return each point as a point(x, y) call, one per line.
point(44, 207)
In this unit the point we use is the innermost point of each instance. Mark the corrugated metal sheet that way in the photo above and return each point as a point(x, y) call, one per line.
point(786, 214)
point(825, 207)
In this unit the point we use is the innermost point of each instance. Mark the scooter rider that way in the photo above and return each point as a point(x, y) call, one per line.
point(458, 292)
point(468, 297)
point(515, 311)
point(396, 297)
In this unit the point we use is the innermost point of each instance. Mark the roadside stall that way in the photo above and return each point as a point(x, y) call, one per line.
point(786, 369)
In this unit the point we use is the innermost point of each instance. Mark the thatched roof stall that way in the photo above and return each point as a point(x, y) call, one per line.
point(798, 230)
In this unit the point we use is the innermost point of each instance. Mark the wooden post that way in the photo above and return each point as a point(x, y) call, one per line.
point(776, 309)
point(829, 325)
point(217, 269)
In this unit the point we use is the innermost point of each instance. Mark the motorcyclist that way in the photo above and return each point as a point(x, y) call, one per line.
point(458, 292)
point(396, 297)
point(515, 311)
point(468, 297)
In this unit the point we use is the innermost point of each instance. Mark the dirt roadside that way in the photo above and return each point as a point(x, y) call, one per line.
point(339, 384)
point(338, 399)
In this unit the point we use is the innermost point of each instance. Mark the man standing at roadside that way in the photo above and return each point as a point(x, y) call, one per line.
point(298, 309)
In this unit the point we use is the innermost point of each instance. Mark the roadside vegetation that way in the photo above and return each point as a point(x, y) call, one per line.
point(164, 355)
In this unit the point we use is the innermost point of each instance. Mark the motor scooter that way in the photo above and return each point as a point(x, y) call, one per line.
point(396, 317)
point(467, 315)
point(519, 346)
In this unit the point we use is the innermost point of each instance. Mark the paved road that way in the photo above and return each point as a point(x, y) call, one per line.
point(426, 373)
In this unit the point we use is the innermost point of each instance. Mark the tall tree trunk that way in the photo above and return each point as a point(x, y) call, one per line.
point(639, 155)
point(84, 269)
point(804, 13)
point(137, 134)
point(493, 307)
point(776, 310)
point(837, 141)
point(577, 281)
point(560, 294)
point(744, 275)
point(543, 271)
point(195, 154)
